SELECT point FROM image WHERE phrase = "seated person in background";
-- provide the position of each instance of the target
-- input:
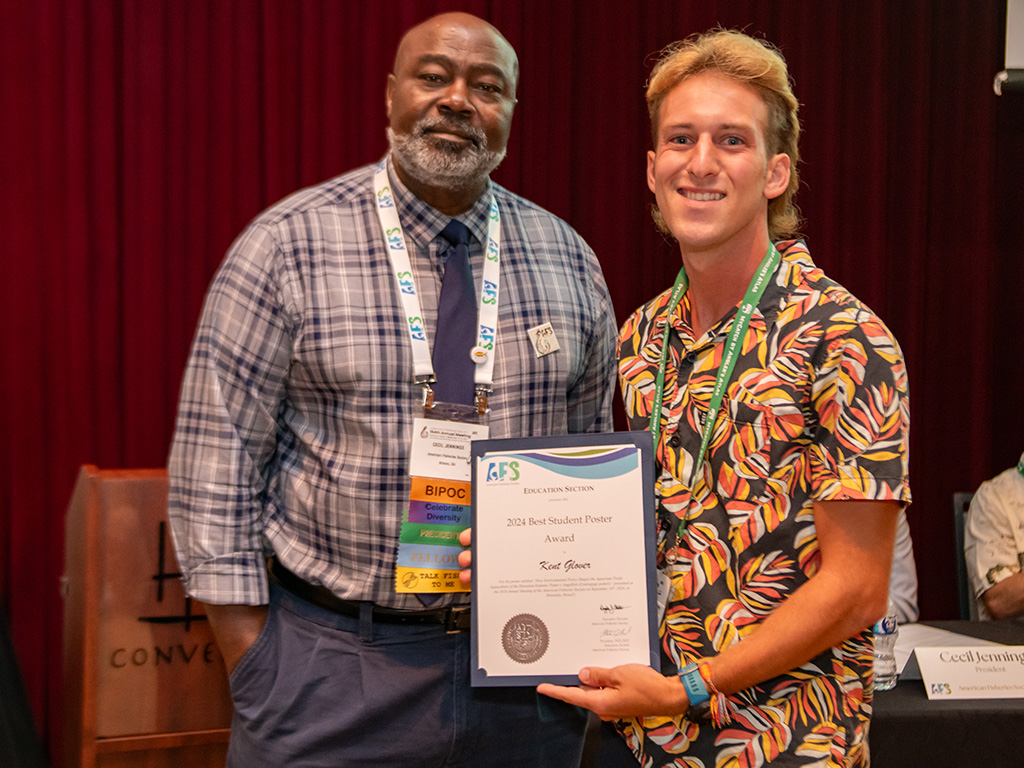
(903, 576)
(994, 544)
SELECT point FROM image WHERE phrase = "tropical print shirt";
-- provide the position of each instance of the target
(816, 410)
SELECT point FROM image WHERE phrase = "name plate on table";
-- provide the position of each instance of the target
(563, 557)
(976, 672)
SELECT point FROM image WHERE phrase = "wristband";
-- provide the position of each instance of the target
(696, 691)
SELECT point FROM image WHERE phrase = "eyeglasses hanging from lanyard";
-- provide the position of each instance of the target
(733, 348)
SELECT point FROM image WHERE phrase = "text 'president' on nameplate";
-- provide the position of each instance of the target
(563, 557)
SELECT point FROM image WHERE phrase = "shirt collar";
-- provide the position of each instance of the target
(794, 268)
(795, 260)
(422, 223)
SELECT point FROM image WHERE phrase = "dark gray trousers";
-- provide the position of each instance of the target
(318, 689)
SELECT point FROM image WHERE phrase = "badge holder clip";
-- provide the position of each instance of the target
(428, 391)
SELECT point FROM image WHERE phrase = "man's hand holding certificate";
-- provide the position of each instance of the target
(563, 550)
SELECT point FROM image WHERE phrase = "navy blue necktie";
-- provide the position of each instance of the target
(455, 333)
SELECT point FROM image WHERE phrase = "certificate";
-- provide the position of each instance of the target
(563, 557)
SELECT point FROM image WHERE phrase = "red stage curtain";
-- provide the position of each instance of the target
(137, 137)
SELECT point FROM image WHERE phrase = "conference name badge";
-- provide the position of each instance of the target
(439, 506)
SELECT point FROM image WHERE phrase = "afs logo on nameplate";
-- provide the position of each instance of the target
(972, 672)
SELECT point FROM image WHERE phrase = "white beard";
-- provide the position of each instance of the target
(439, 163)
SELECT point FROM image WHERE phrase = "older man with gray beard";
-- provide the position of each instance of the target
(290, 468)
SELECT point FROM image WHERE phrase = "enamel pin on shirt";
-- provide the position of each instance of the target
(543, 338)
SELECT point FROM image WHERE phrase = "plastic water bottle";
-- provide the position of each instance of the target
(886, 631)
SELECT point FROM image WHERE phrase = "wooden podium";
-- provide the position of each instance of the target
(144, 683)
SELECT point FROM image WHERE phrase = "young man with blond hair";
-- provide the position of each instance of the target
(780, 419)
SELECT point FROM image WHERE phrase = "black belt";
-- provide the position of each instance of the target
(454, 618)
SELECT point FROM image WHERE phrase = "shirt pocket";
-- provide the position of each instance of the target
(763, 454)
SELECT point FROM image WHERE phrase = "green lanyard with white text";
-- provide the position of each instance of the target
(733, 346)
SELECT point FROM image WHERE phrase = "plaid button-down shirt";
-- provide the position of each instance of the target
(296, 410)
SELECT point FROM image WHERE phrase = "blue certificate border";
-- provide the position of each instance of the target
(642, 442)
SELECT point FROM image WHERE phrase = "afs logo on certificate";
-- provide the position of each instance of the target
(525, 638)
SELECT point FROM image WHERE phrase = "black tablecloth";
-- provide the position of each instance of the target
(908, 730)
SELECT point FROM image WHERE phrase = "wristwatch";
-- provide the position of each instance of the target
(697, 692)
